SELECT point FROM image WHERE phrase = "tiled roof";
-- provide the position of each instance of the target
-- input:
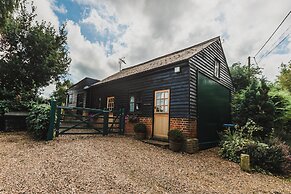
(160, 61)
(87, 81)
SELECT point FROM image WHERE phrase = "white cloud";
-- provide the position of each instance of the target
(88, 59)
(60, 9)
(44, 11)
(155, 28)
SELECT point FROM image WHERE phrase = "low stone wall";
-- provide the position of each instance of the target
(15, 121)
(2, 122)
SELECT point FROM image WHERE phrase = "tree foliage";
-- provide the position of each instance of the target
(6, 9)
(60, 94)
(243, 76)
(254, 103)
(268, 104)
(284, 78)
(33, 54)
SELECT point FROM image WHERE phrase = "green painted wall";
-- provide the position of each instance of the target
(213, 110)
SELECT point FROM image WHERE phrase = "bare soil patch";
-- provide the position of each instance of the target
(116, 164)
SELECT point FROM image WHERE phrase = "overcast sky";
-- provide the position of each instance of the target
(100, 32)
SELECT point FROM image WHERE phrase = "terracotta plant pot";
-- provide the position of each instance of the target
(140, 136)
(175, 146)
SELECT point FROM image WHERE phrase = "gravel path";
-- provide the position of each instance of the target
(114, 164)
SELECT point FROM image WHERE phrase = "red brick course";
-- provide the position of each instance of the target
(146, 120)
(188, 126)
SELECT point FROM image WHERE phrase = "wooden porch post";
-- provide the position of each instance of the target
(50, 132)
(105, 123)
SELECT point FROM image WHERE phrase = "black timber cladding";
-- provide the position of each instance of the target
(144, 85)
(203, 62)
(158, 74)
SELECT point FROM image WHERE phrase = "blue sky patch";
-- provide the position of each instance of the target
(282, 48)
(76, 13)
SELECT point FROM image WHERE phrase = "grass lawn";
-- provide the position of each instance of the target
(116, 164)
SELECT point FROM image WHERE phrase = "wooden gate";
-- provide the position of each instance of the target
(67, 120)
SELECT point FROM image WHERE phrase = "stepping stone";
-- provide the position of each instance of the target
(161, 144)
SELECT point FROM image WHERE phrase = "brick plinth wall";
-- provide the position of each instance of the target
(129, 127)
(188, 126)
(148, 122)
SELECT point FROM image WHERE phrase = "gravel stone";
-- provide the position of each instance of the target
(118, 164)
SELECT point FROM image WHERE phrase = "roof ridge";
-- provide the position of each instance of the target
(163, 60)
(160, 57)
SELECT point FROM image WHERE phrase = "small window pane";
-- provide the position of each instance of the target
(131, 104)
(163, 95)
(166, 109)
(158, 102)
(158, 95)
(166, 94)
(158, 109)
(166, 101)
(110, 103)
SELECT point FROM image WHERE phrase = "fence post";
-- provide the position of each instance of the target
(121, 122)
(50, 132)
(105, 123)
(58, 121)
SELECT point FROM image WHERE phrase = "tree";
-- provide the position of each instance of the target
(282, 103)
(243, 76)
(284, 78)
(254, 103)
(6, 9)
(60, 94)
(32, 54)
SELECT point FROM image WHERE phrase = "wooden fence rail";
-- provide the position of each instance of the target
(76, 120)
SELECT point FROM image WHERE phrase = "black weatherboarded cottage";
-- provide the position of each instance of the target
(189, 89)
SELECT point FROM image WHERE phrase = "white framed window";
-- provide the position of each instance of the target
(162, 99)
(216, 68)
(110, 103)
(70, 99)
(131, 103)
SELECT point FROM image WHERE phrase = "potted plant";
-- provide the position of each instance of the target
(176, 138)
(140, 130)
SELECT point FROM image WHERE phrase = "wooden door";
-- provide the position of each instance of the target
(161, 114)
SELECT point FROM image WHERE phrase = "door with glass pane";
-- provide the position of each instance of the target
(161, 113)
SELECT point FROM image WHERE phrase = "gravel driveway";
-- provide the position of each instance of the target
(115, 164)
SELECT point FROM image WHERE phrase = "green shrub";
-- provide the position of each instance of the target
(4, 106)
(254, 103)
(176, 135)
(264, 156)
(231, 145)
(38, 121)
(272, 156)
(286, 150)
(140, 128)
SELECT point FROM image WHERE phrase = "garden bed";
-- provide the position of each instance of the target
(115, 164)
